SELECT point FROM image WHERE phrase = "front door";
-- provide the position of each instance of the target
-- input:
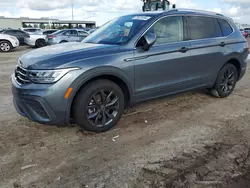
(72, 36)
(82, 35)
(165, 68)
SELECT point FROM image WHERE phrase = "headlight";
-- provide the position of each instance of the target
(48, 76)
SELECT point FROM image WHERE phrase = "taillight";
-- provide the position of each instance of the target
(51, 36)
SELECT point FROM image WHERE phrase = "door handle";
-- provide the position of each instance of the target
(183, 49)
(222, 44)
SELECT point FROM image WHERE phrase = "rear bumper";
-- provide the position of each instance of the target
(29, 42)
(243, 69)
(51, 42)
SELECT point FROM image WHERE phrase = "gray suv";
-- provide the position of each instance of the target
(130, 59)
(67, 35)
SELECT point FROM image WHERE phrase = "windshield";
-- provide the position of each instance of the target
(118, 31)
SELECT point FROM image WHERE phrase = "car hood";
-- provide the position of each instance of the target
(4, 36)
(60, 55)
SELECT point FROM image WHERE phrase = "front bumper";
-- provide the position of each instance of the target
(15, 43)
(42, 103)
(29, 42)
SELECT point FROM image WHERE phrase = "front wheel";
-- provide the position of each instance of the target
(5, 46)
(226, 81)
(98, 106)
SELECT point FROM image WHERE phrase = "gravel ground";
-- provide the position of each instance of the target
(187, 140)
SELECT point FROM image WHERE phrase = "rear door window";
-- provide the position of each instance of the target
(225, 27)
(202, 28)
(71, 33)
(82, 34)
(9, 32)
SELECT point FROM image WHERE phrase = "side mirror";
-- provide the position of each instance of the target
(149, 40)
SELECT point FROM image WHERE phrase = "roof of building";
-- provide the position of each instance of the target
(45, 19)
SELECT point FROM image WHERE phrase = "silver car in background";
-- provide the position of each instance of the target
(38, 39)
(68, 35)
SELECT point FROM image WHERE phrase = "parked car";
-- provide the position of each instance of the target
(68, 35)
(8, 42)
(92, 30)
(31, 30)
(130, 59)
(38, 39)
(244, 33)
(20, 35)
(247, 30)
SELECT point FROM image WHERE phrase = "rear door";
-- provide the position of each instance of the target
(207, 48)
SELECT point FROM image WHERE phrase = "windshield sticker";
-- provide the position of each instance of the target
(141, 18)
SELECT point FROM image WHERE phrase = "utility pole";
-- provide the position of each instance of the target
(72, 11)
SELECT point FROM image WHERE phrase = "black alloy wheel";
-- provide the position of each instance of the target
(98, 106)
(40, 43)
(102, 108)
(226, 81)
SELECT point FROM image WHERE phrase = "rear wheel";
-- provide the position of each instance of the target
(5, 46)
(226, 81)
(40, 43)
(63, 41)
(98, 106)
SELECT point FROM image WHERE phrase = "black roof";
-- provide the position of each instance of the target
(180, 11)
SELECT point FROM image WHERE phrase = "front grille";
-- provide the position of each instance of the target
(21, 75)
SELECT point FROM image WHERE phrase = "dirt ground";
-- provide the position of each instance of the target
(187, 140)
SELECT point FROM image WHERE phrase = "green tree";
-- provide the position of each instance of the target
(35, 26)
(24, 25)
(53, 26)
(42, 26)
(29, 25)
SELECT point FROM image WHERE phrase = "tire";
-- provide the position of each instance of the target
(225, 82)
(63, 41)
(98, 106)
(5, 46)
(40, 43)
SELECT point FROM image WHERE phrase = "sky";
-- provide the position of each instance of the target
(102, 11)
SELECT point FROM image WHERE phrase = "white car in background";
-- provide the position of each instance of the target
(8, 42)
(38, 39)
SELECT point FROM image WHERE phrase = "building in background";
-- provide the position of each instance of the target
(43, 23)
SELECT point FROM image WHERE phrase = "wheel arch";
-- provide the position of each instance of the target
(6, 40)
(236, 63)
(121, 81)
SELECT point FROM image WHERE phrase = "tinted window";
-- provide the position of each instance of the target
(202, 28)
(82, 33)
(31, 30)
(49, 32)
(226, 28)
(70, 33)
(20, 32)
(168, 30)
(9, 32)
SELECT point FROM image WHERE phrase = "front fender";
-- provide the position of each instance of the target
(94, 73)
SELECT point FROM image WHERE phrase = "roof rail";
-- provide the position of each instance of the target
(197, 11)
